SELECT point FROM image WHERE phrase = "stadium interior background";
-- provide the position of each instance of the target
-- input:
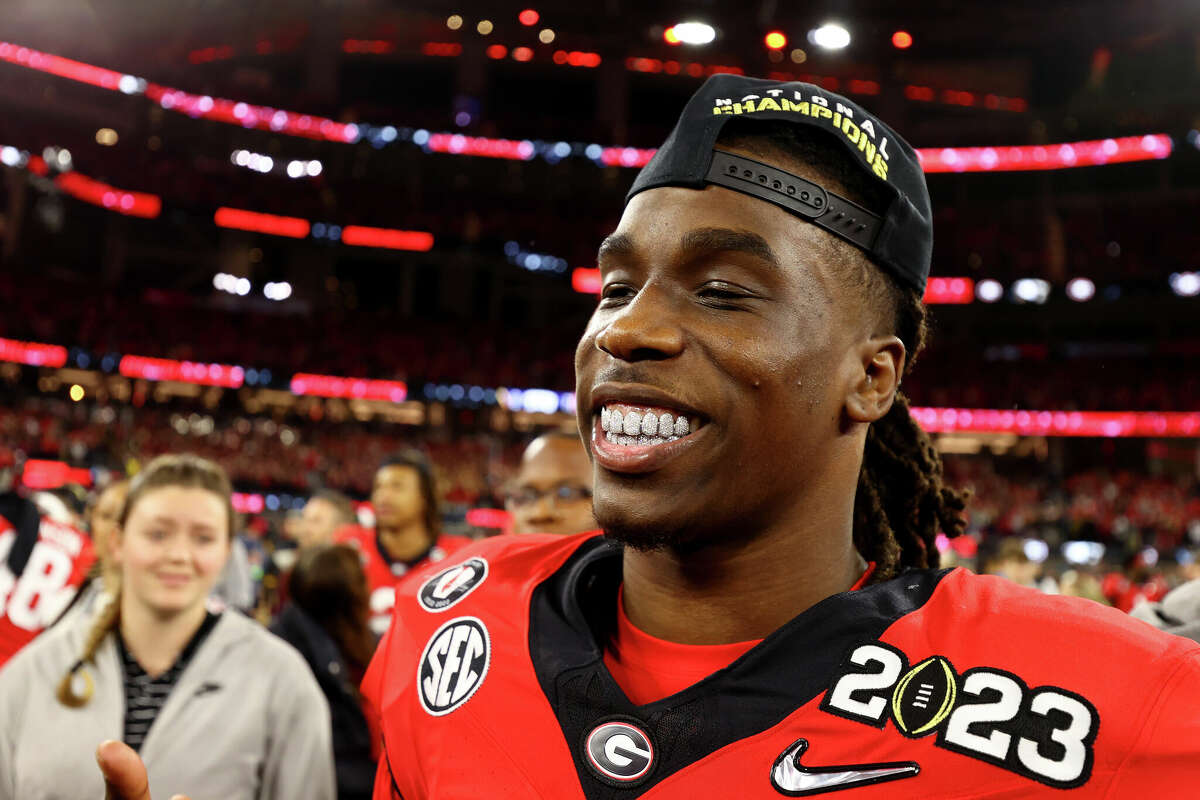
(296, 236)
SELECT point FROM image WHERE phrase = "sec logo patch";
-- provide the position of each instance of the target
(619, 753)
(452, 584)
(453, 665)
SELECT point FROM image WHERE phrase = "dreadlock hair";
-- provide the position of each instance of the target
(184, 470)
(902, 501)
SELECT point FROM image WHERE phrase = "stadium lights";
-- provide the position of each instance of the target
(528, 17)
(902, 40)
(232, 284)
(830, 36)
(1081, 289)
(989, 291)
(1031, 290)
(454, 22)
(277, 291)
(1185, 284)
(106, 137)
(695, 33)
(775, 40)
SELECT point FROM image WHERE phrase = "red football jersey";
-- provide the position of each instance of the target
(383, 574)
(57, 566)
(937, 684)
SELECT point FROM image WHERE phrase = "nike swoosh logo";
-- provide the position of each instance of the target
(791, 778)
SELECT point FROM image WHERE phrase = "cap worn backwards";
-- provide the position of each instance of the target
(898, 238)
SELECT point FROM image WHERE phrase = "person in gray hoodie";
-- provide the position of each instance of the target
(213, 703)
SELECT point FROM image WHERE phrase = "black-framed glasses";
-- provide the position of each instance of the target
(563, 493)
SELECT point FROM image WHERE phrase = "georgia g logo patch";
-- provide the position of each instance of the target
(453, 665)
(619, 753)
(452, 584)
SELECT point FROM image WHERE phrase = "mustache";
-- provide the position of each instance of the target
(630, 373)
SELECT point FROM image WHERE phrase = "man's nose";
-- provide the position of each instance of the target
(646, 329)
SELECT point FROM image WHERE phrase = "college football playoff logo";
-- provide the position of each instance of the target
(452, 584)
(453, 665)
(619, 752)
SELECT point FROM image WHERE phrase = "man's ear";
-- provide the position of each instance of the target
(882, 363)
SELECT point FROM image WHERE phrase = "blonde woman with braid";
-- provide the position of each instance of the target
(214, 704)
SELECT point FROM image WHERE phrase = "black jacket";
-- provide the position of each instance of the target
(351, 736)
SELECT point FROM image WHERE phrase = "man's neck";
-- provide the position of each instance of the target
(405, 543)
(156, 640)
(742, 590)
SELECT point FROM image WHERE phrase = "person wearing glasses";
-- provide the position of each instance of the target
(552, 492)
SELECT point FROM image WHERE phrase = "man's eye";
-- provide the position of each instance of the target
(616, 292)
(721, 295)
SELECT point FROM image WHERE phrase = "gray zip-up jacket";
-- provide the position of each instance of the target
(246, 721)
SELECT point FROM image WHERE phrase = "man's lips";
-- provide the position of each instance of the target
(639, 458)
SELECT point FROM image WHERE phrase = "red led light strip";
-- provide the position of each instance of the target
(389, 238)
(1059, 423)
(89, 190)
(350, 388)
(43, 474)
(243, 220)
(32, 353)
(62, 67)
(297, 228)
(1050, 156)
(1064, 155)
(167, 369)
(265, 118)
(457, 144)
(974, 159)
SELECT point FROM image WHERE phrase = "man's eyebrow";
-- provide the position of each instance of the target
(617, 244)
(726, 239)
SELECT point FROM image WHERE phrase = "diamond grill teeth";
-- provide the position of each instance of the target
(643, 428)
(666, 425)
(633, 423)
(649, 425)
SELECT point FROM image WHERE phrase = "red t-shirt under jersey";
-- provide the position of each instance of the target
(648, 668)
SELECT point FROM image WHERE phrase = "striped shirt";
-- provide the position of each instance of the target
(144, 695)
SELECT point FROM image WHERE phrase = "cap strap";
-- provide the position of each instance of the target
(800, 196)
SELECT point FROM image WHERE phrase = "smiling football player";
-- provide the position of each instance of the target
(763, 616)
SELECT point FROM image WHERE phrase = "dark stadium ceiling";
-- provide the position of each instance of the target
(150, 30)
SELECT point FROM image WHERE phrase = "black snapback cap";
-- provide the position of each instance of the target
(899, 238)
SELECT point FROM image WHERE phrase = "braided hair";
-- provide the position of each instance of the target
(902, 501)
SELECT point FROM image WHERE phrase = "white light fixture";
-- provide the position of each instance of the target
(989, 291)
(695, 32)
(295, 169)
(1031, 290)
(277, 291)
(1081, 289)
(831, 36)
(313, 168)
(1185, 284)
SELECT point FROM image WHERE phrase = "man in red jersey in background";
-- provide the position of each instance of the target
(764, 616)
(407, 533)
(42, 564)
